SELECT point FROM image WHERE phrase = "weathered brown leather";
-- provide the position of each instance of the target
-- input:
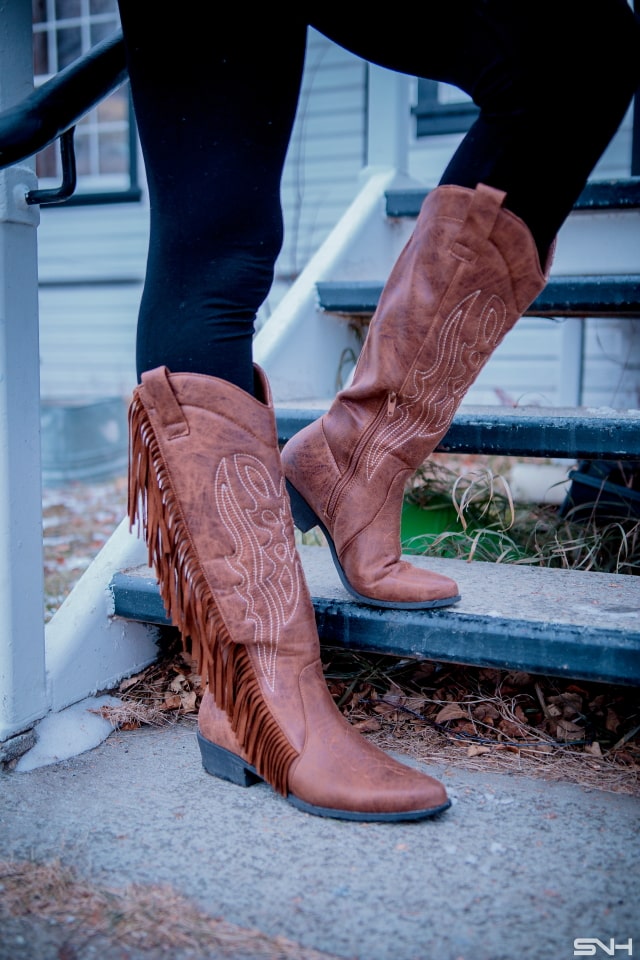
(466, 275)
(207, 487)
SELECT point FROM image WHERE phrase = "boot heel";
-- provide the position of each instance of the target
(303, 516)
(226, 765)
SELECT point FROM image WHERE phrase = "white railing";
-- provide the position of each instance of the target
(83, 649)
(22, 664)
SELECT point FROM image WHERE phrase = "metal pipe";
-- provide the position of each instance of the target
(58, 105)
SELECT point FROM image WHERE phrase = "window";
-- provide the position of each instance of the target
(105, 143)
(442, 108)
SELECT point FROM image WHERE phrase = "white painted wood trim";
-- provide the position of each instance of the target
(22, 687)
(300, 346)
(87, 649)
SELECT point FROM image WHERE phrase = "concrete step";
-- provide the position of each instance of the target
(545, 621)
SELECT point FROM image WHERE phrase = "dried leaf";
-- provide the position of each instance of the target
(574, 688)
(368, 726)
(395, 693)
(593, 749)
(452, 711)
(171, 702)
(423, 670)
(510, 729)
(385, 709)
(520, 715)
(188, 702)
(519, 678)
(613, 721)
(569, 704)
(485, 712)
(569, 731)
(468, 729)
(488, 673)
(477, 750)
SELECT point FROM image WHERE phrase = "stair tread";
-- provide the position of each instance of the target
(589, 296)
(583, 433)
(618, 194)
(546, 621)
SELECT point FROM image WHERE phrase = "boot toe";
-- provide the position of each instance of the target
(404, 585)
(342, 774)
(385, 790)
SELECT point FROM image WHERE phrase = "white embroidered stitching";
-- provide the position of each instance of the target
(254, 513)
(455, 360)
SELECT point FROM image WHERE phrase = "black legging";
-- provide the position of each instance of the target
(215, 105)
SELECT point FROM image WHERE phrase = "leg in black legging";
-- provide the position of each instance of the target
(214, 104)
(215, 109)
(552, 80)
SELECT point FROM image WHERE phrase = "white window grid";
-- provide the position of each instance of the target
(108, 124)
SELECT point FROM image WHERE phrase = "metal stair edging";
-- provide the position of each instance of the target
(618, 194)
(581, 433)
(590, 296)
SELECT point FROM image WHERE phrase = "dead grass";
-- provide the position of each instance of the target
(154, 920)
(484, 522)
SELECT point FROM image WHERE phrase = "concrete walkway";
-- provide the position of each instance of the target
(517, 868)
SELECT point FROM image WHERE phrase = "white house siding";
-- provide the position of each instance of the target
(325, 157)
(530, 365)
(92, 261)
(612, 364)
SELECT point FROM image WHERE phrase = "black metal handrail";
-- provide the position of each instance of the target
(60, 103)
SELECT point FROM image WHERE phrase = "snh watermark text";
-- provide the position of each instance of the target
(592, 947)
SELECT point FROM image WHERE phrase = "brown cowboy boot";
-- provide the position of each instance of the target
(466, 275)
(206, 486)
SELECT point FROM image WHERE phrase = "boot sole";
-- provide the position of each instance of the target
(306, 519)
(225, 765)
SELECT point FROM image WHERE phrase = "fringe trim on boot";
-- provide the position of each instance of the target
(191, 606)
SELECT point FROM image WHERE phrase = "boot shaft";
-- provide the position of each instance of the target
(464, 278)
(207, 487)
(462, 281)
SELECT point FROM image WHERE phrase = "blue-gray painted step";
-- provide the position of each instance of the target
(549, 622)
(622, 194)
(579, 433)
(590, 296)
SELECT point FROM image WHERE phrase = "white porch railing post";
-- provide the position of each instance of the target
(388, 119)
(23, 695)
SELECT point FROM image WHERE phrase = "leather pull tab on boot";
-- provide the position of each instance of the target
(484, 208)
(160, 396)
